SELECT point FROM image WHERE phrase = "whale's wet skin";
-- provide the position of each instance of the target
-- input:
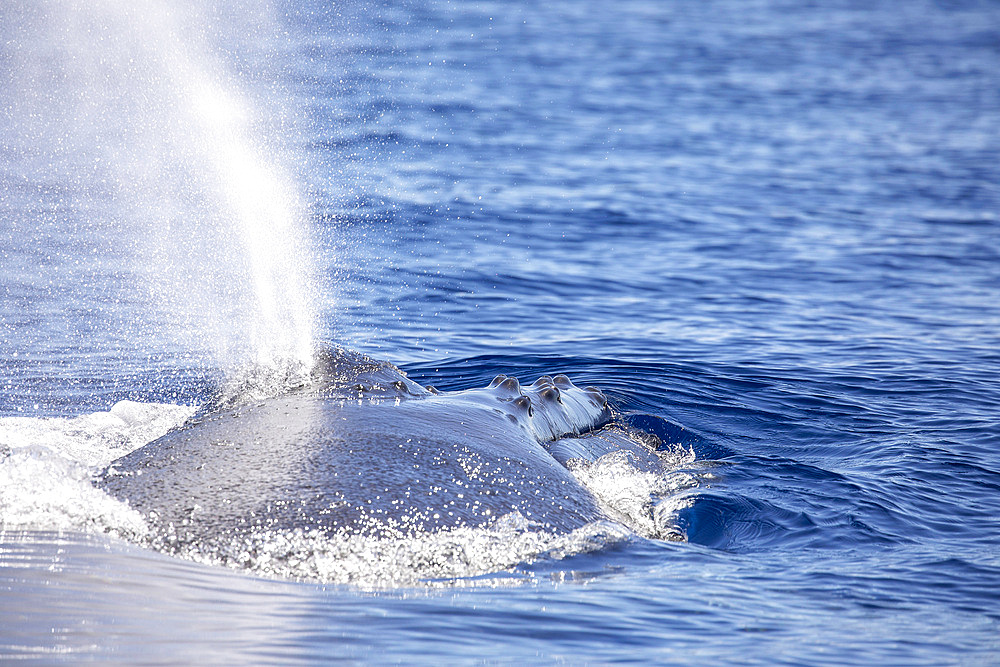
(362, 451)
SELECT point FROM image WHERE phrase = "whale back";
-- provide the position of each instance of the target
(549, 408)
(364, 450)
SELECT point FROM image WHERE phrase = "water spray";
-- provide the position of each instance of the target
(154, 108)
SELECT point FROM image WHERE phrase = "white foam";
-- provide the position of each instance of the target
(46, 465)
(95, 439)
(442, 558)
(647, 501)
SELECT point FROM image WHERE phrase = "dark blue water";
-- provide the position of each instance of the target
(769, 231)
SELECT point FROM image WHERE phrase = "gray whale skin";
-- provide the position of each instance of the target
(364, 450)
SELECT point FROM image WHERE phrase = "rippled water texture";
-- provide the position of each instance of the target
(768, 231)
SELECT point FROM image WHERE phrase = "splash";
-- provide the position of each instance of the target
(499, 554)
(644, 498)
(46, 465)
(158, 124)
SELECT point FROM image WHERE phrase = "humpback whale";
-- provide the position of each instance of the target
(361, 449)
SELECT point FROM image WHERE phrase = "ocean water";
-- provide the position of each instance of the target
(769, 231)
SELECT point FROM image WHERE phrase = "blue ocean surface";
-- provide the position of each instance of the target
(769, 231)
